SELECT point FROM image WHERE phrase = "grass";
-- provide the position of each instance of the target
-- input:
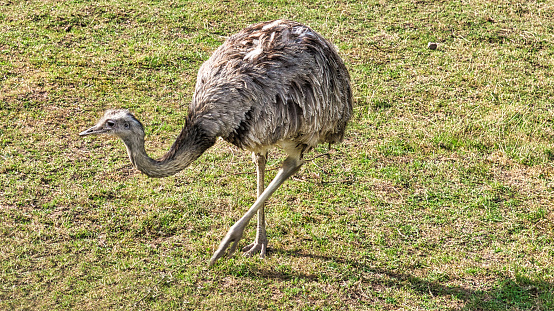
(440, 198)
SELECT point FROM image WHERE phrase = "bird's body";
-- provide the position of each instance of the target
(275, 83)
(271, 82)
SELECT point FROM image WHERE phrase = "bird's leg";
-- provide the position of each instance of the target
(260, 243)
(290, 166)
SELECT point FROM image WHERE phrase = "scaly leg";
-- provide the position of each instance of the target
(290, 166)
(260, 243)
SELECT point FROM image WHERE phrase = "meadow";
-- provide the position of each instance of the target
(440, 197)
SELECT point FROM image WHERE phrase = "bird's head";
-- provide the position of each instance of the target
(119, 122)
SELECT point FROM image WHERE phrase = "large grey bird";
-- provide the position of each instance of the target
(276, 83)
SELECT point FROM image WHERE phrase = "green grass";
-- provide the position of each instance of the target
(440, 197)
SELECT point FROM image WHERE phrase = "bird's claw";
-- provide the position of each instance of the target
(255, 247)
(231, 239)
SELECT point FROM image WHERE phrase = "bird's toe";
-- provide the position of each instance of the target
(256, 247)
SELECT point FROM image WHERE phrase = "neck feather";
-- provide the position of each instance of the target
(188, 146)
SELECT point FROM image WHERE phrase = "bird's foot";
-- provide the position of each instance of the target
(257, 246)
(230, 240)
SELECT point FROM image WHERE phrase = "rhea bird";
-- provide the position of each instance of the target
(275, 83)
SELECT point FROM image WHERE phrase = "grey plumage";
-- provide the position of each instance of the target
(275, 83)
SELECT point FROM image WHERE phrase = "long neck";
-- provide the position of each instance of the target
(190, 145)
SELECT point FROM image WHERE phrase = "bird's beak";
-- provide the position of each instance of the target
(93, 130)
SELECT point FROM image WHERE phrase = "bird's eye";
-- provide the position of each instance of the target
(110, 123)
(126, 125)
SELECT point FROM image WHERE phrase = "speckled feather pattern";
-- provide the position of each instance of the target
(272, 82)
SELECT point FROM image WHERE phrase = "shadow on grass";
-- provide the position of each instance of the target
(506, 294)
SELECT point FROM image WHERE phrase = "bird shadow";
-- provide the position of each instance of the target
(521, 293)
